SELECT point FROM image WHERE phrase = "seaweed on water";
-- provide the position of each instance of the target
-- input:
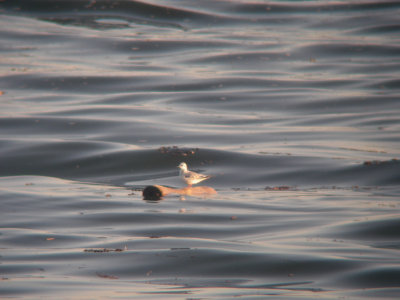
(175, 150)
(378, 162)
(101, 275)
(280, 188)
(103, 250)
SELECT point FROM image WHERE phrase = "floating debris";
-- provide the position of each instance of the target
(175, 150)
(103, 250)
(378, 162)
(372, 162)
(106, 276)
(279, 188)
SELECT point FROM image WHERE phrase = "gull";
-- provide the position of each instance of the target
(190, 177)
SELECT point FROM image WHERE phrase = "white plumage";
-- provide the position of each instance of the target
(190, 177)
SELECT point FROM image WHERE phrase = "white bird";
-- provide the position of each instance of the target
(190, 177)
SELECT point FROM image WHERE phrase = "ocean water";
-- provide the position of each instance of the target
(292, 107)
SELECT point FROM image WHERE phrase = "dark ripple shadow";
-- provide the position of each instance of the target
(314, 7)
(379, 29)
(72, 84)
(371, 230)
(91, 161)
(80, 12)
(204, 262)
(374, 277)
(348, 50)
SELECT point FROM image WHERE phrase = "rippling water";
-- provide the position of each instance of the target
(293, 107)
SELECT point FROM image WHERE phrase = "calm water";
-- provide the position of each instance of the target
(292, 106)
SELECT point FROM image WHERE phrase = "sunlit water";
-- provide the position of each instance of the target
(292, 107)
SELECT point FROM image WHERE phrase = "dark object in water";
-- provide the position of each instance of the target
(152, 193)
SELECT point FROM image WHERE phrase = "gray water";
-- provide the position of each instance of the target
(292, 107)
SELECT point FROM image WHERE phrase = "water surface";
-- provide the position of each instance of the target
(291, 106)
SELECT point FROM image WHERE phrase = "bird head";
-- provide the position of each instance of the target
(182, 166)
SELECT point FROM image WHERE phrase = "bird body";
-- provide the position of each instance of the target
(190, 177)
